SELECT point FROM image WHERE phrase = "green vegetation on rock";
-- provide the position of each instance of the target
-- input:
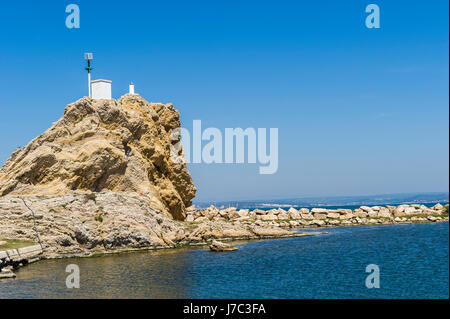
(445, 210)
(14, 244)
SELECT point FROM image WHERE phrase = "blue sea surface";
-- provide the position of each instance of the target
(413, 262)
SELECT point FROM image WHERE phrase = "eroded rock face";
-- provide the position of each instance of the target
(78, 223)
(105, 145)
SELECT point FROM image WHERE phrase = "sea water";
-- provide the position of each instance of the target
(413, 261)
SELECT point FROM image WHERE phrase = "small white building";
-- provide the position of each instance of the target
(101, 89)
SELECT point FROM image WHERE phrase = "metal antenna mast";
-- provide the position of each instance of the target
(89, 57)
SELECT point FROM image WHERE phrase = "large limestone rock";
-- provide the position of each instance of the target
(293, 213)
(333, 215)
(105, 145)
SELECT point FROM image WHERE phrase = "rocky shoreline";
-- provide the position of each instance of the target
(82, 224)
(79, 225)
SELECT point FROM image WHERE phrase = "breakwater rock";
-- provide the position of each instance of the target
(321, 217)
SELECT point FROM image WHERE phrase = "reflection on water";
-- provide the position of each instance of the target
(413, 262)
(154, 274)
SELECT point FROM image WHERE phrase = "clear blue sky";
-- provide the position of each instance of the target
(359, 111)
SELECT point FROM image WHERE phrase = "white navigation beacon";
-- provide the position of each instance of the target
(101, 89)
(132, 89)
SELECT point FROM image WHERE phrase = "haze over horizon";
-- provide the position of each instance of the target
(421, 196)
(359, 111)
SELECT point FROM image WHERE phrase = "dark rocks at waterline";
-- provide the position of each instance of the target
(14, 258)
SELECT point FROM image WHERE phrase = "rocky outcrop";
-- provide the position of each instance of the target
(105, 145)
